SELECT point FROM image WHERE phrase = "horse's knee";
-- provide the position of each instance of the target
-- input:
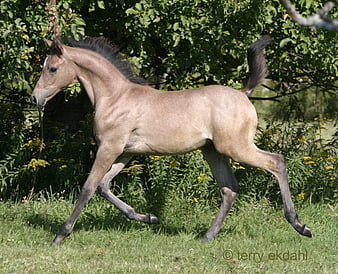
(233, 186)
(87, 191)
(228, 194)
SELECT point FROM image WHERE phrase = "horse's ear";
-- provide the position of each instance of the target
(54, 46)
(48, 42)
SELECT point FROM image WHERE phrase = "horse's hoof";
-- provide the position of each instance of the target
(206, 239)
(57, 240)
(153, 219)
(306, 231)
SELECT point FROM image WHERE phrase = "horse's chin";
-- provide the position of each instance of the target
(46, 99)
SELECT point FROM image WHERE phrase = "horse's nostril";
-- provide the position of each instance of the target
(34, 100)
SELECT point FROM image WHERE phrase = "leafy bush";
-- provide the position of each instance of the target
(311, 162)
(154, 182)
(175, 44)
(23, 24)
(13, 151)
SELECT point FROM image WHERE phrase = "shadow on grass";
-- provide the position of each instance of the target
(118, 221)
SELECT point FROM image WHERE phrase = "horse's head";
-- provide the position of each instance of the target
(58, 72)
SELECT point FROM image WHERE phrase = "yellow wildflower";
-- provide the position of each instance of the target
(266, 200)
(35, 143)
(301, 195)
(203, 177)
(35, 163)
(309, 162)
(328, 167)
(332, 159)
(305, 158)
(174, 163)
(236, 166)
(302, 139)
(195, 200)
(154, 157)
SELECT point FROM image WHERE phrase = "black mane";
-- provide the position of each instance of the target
(103, 47)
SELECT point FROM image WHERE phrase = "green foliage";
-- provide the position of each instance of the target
(23, 24)
(182, 44)
(157, 183)
(311, 162)
(13, 153)
(195, 42)
(174, 44)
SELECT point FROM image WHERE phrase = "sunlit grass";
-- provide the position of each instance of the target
(255, 238)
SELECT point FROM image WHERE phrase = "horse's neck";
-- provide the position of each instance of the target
(98, 76)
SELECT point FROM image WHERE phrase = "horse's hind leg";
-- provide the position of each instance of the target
(228, 186)
(275, 164)
(104, 189)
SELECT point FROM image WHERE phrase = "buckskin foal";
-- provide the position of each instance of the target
(133, 118)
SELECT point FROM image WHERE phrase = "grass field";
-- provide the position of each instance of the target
(255, 239)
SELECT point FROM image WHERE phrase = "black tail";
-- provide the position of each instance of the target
(257, 65)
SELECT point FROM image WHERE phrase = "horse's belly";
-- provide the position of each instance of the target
(164, 145)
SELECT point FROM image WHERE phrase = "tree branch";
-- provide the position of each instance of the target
(317, 20)
(279, 94)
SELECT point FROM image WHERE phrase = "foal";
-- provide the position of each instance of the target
(131, 119)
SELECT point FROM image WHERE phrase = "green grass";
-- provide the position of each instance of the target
(254, 239)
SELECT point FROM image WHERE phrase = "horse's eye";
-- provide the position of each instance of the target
(53, 69)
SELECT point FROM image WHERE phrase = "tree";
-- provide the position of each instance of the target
(174, 44)
(180, 44)
(317, 20)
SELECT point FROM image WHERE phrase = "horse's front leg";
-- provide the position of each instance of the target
(104, 189)
(105, 156)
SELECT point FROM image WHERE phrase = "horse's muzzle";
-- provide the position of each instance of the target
(36, 101)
